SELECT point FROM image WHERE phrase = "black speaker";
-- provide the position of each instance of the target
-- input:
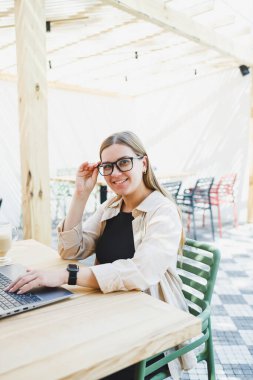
(244, 70)
(48, 26)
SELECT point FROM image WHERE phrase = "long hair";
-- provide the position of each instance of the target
(131, 140)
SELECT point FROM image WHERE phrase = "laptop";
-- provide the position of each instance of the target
(13, 303)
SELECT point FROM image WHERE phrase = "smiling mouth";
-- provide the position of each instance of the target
(119, 182)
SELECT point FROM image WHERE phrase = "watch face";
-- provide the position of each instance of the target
(73, 268)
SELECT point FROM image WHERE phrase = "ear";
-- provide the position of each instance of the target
(145, 164)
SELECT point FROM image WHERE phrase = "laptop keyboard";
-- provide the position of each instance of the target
(10, 300)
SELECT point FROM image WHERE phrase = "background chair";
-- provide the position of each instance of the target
(61, 193)
(197, 198)
(173, 188)
(198, 267)
(223, 192)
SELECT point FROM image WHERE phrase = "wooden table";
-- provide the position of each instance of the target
(88, 336)
(71, 180)
(176, 176)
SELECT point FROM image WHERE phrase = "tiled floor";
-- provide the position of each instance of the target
(232, 307)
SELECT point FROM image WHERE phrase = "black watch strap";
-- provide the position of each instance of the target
(72, 269)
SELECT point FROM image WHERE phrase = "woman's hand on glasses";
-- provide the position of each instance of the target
(86, 177)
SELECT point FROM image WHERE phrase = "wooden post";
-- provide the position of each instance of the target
(250, 199)
(32, 94)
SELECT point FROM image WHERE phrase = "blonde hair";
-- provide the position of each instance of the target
(131, 140)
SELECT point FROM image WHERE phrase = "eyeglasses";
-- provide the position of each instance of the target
(123, 164)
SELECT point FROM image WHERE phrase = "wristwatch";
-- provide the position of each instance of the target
(72, 269)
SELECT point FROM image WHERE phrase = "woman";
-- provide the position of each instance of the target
(136, 235)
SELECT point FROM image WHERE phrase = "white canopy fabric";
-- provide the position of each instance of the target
(132, 47)
(167, 70)
(200, 128)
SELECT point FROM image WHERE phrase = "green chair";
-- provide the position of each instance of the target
(173, 187)
(197, 267)
(195, 199)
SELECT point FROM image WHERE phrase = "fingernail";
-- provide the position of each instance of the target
(19, 292)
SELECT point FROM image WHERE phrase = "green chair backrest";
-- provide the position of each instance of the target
(197, 268)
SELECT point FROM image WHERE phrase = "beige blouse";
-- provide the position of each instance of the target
(157, 231)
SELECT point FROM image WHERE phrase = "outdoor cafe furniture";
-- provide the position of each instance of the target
(61, 192)
(62, 188)
(89, 335)
(173, 187)
(223, 193)
(198, 267)
(197, 198)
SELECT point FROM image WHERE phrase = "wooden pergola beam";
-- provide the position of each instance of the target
(155, 11)
(250, 196)
(32, 95)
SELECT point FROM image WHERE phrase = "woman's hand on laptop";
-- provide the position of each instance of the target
(38, 278)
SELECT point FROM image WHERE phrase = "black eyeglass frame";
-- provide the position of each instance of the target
(115, 164)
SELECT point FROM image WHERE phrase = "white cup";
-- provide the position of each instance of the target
(7, 234)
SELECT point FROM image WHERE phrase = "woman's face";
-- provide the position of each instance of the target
(124, 183)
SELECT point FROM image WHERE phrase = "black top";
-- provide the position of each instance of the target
(117, 241)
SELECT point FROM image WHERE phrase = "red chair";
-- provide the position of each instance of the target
(223, 192)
